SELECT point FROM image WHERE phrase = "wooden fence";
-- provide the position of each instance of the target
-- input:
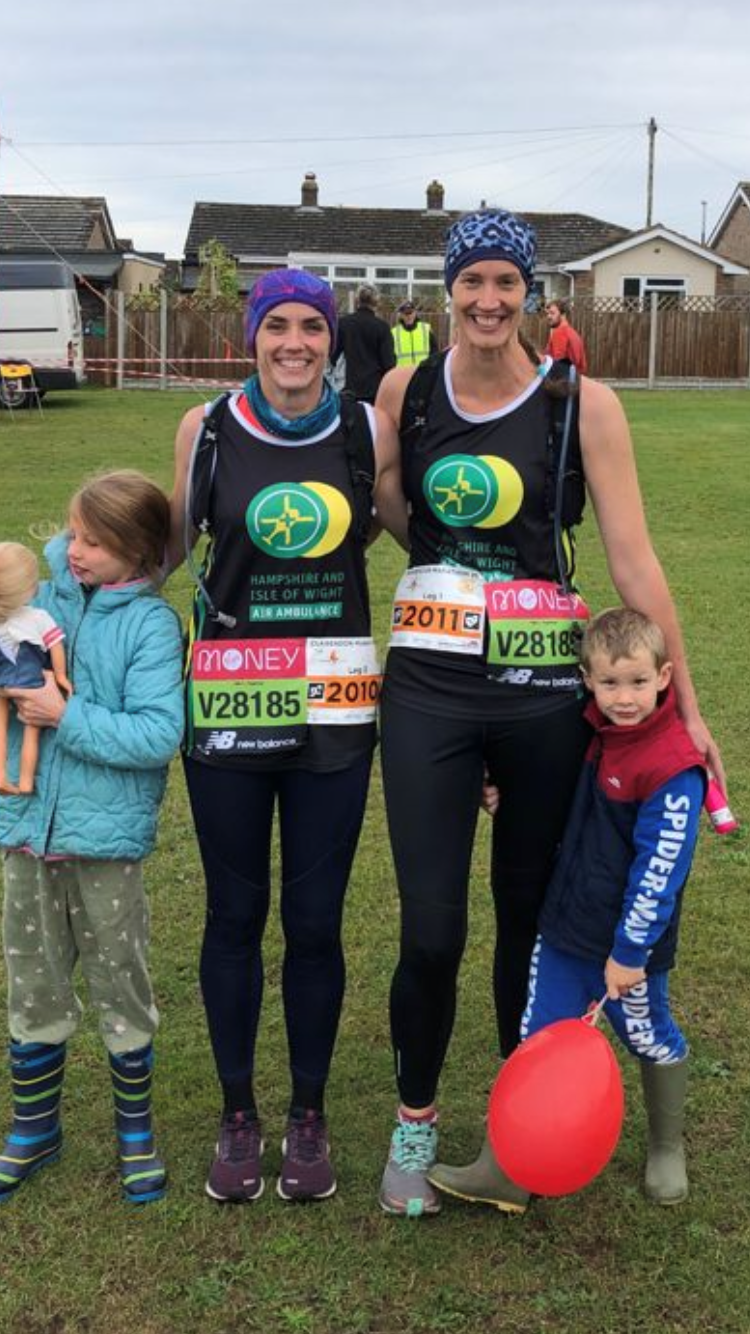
(665, 341)
(704, 342)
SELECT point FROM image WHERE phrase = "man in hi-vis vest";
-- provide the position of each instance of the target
(413, 339)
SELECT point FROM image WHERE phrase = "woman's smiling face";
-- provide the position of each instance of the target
(488, 299)
(291, 350)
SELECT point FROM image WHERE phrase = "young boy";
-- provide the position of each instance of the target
(611, 913)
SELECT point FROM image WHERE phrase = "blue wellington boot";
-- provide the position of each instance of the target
(35, 1137)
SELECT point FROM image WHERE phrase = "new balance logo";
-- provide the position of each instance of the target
(516, 676)
(221, 741)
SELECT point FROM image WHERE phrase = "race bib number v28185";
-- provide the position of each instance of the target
(248, 696)
(533, 623)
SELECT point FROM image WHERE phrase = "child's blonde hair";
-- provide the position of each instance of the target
(619, 632)
(129, 515)
(19, 577)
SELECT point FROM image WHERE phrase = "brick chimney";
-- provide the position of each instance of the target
(435, 197)
(310, 190)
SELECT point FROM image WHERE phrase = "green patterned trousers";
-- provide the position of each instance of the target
(59, 912)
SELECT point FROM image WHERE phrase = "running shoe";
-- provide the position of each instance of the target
(306, 1171)
(405, 1189)
(236, 1171)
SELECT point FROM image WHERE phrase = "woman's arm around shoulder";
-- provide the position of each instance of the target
(612, 483)
(388, 498)
(183, 449)
(392, 392)
(390, 505)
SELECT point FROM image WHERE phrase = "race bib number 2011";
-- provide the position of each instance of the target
(439, 607)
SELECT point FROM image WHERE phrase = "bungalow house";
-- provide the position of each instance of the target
(398, 250)
(656, 260)
(80, 231)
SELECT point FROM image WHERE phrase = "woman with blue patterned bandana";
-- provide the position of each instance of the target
(481, 681)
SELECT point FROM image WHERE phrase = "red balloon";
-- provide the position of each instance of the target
(556, 1109)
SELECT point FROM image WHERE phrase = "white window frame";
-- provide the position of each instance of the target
(664, 284)
(409, 264)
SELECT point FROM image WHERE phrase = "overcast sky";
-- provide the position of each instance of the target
(536, 106)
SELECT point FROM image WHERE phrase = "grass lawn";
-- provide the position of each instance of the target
(75, 1260)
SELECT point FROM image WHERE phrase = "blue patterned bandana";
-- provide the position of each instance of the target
(273, 289)
(490, 234)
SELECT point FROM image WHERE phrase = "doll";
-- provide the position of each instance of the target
(30, 642)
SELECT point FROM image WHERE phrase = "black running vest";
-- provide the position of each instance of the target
(480, 497)
(284, 560)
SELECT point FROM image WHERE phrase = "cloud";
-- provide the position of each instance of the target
(489, 89)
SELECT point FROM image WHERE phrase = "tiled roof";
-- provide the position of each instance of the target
(34, 222)
(274, 231)
(654, 232)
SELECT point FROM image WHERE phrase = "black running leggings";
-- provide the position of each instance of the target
(432, 770)
(320, 817)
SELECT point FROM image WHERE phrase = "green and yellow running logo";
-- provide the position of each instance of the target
(467, 492)
(303, 519)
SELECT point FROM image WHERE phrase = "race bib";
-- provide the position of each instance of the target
(258, 696)
(532, 623)
(343, 681)
(248, 696)
(439, 607)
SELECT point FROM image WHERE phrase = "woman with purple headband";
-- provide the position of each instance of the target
(482, 679)
(282, 688)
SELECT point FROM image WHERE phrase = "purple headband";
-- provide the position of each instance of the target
(273, 289)
(490, 234)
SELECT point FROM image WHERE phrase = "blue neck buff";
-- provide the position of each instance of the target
(295, 428)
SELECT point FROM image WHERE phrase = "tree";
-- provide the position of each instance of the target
(218, 283)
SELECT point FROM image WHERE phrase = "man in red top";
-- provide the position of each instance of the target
(564, 343)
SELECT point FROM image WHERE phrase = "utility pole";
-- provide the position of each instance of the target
(704, 202)
(652, 128)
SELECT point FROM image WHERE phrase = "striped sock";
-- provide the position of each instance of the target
(142, 1171)
(35, 1136)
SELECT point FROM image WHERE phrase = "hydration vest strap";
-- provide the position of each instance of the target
(198, 488)
(419, 391)
(360, 456)
(561, 473)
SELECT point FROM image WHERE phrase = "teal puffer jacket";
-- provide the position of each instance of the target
(102, 772)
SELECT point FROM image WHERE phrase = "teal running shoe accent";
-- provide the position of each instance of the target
(405, 1189)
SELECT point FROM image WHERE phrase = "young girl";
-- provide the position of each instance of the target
(29, 642)
(73, 849)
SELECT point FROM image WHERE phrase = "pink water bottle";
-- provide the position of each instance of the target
(718, 809)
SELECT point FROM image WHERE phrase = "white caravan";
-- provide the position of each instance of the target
(40, 324)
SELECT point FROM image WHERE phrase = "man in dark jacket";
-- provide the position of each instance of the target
(367, 346)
